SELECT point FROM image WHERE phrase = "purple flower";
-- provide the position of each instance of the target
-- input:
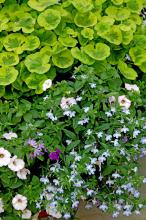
(54, 156)
(125, 139)
(40, 146)
(58, 151)
(32, 142)
(38, 152)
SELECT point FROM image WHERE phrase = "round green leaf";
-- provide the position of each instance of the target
(127, 37)
(23, 21)
(31, 43)
(100, 52)
(135, 6)
(88, 33)
(104, 25)
(49, 19)
(8, 59)
(82, 6)
(127, 72)
(58, 48)
(81, 56)
(41, 5)
(111, 11)
(140, 40)
(46, 37)
(63, 59)
(85, 19)
(122, 14)
(138, 55)
(34, 79)
(114, 35)
(7, 75)
(36, 63)
(68, 41)
(14, 42)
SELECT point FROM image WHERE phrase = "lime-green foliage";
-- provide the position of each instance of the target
(37, 36)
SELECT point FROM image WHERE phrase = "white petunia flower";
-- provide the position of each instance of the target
(10, 135)
(22, 174)
(131, 87)
(26, 214)
(16, 164)
(123, 101)
(19, 202)
(67, 102)
(1, 206)
(112, 99)
(47, 84)
(5, 157)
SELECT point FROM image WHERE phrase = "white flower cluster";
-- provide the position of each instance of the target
(10, 135)
(19, 203)
(67, 102)
(14, 164)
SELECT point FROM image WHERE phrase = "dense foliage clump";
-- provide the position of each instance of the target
(38, 38)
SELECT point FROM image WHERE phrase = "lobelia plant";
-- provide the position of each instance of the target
(41, 37)
(80, 141)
